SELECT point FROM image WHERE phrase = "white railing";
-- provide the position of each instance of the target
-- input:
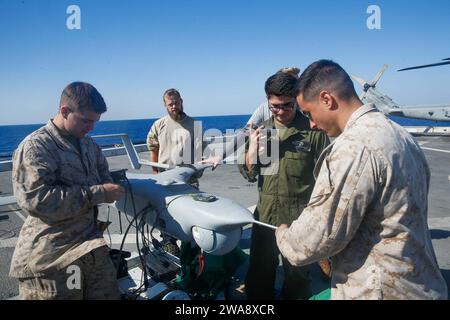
(132, 153)
(5, 165)
(428, 130)
(108, 152)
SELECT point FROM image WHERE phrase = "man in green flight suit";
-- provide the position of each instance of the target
(283, 192)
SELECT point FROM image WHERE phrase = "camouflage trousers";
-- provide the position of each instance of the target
(91, 277)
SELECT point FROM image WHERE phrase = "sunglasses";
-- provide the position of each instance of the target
(286, 106)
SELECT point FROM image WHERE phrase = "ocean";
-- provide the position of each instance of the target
(12, 135)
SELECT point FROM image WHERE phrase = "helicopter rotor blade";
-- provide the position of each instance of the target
(363, 84)
(378, 76)
(359, 80)
(446, 61)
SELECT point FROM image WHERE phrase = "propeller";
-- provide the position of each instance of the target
(378, 76)
(446, 61)
(366, 86)
(359, 80)
(363, 84)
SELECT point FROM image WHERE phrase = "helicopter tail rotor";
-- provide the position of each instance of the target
(378, 76)
(367, 85)
(363, 84)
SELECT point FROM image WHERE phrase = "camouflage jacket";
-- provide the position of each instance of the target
(58, 188)
(368, 211)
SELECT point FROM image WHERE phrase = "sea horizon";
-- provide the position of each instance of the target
(137, 129)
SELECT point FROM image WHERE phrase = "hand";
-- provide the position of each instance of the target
(113, 192)
(280, 228)
(215, 161)
(255, 146)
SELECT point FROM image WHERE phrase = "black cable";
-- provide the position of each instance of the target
(140, 224)
(8, 210)
(135, 219)
(143, 262)
(107, 228)
(153, 228)
(138, 290)
(120, 221)
(145, 243)
(148, 233)
(126, 232)
(125, 202)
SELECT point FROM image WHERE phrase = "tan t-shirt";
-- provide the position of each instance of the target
(177, 142)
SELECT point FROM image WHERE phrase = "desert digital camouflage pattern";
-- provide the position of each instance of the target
(368, 211)
(97, 280)
(58, 188)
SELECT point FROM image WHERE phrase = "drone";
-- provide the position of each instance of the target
(170, 204)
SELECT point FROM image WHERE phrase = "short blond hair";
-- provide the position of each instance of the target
(170, 93)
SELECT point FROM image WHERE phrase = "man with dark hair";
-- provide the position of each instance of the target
(284, 188)
(368, 209)
(59, 177)
(82, 96)
(262, 113)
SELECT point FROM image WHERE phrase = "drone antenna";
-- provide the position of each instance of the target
(265, 224)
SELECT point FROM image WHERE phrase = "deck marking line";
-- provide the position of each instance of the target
(20, 215)
(433, 149)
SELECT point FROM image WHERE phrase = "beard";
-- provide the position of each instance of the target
(177, 114)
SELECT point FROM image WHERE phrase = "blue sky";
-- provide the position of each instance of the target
(217, 53)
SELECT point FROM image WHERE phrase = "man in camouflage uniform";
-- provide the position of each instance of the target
(368, 210)
(284, 188)
(59, 177)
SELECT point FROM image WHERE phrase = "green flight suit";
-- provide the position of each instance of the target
(282, 197)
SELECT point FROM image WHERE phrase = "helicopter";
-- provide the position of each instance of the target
(389, 107)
